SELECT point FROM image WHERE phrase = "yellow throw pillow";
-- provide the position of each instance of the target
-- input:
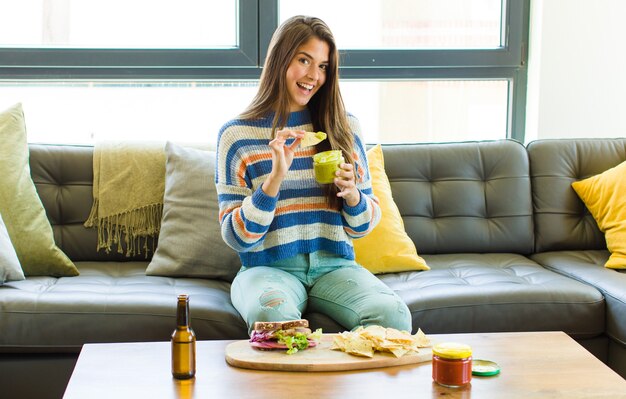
(387, 248)
(605, 197)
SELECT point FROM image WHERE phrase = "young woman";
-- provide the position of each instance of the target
(294, 235)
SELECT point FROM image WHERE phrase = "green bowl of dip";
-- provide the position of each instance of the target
(325, 164)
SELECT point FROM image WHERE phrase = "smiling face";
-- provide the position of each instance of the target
(306, 72)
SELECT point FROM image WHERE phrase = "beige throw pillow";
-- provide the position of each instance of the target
(20, 206)
(190, 241)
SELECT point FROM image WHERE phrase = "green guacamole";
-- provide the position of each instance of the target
(326, 164)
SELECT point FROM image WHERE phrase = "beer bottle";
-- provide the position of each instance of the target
(183, 342)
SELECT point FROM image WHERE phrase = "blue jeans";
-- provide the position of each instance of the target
(318, 282)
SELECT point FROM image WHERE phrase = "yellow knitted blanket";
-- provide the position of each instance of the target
(128, 186)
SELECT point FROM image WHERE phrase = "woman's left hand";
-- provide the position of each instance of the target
(346, 182)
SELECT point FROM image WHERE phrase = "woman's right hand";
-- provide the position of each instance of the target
(282, 157)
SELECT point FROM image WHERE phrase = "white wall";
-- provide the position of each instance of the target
(576, 69)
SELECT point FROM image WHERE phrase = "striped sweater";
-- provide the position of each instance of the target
(265, 229)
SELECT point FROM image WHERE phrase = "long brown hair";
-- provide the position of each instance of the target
(326, 107)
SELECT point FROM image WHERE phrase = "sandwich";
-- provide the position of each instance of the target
(292, 335)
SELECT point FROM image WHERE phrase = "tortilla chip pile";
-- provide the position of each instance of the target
(365, 341)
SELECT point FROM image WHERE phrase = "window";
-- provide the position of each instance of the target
(406, 24)
(119, 24)
(420, 110)
(412, 70)
(86, 112)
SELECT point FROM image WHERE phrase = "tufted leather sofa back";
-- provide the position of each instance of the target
(463, 197)
(453, 197)
(562, 222)
(63, 176)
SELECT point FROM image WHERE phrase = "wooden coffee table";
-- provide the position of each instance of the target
(534, 365)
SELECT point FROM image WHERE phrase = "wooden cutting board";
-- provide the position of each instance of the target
(319, 358)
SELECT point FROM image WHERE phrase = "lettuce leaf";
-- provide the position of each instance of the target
(294, 343)
(299, 341)
(316, 335)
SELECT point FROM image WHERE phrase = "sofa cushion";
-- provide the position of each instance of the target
(587, 267)
(463, 197)
(21, 208)
(604, 196)
(562, 222)
(190, 241)
(387, 248)
(111, 302)
(497, 292)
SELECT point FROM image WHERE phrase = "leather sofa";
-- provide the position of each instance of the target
(510, 246)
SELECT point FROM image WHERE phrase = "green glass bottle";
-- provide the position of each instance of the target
(183, 342)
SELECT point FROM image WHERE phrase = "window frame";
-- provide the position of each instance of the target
(103, 63)
(257, 20)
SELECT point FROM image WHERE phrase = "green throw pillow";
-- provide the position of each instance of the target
(20, 206)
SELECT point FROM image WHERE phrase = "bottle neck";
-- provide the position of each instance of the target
(182, 312)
